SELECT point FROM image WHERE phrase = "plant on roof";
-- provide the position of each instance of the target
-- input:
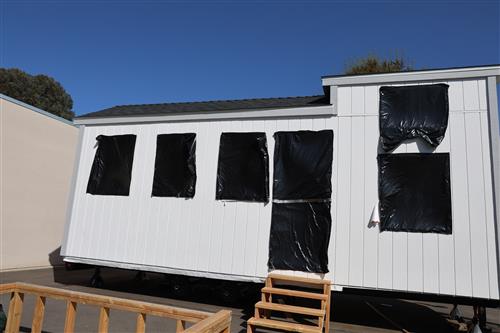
(374, 64)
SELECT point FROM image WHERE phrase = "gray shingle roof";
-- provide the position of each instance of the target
(209, 106)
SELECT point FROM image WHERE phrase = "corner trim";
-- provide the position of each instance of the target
(494, 134)
(311, 111)
(37, 110)
(71, 193)
(334, 91)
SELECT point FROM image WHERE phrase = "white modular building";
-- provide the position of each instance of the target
(230, 239)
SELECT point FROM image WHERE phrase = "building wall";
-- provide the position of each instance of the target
(202, 236)
(37, 156)
(463, 263)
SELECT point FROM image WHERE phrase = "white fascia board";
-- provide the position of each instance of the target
(430, 75)
(314, 111)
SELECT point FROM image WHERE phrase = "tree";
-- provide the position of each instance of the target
(41, 91)
(373, 64)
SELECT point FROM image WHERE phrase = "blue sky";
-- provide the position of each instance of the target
(107, 53)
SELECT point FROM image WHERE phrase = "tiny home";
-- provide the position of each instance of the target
(37, 150)
(387, 182)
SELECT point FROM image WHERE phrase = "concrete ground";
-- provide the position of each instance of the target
(350, 313)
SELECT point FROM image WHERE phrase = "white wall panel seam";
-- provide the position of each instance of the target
(453, 226)
(468, 201)
(350, 191)
(364, 191)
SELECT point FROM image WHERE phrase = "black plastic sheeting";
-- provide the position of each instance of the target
(413, 111)
(112, 167)
(300, 233)
(303, 165)
(414, 192)
(175, 166)
(243, 168)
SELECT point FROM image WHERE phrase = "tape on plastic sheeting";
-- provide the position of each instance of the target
(301, 200)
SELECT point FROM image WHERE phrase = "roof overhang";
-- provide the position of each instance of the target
(307, 111)
(420, 75)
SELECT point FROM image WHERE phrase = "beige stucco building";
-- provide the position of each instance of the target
(37, 151)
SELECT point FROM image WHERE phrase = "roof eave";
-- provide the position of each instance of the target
(312, 111)
(420, 75)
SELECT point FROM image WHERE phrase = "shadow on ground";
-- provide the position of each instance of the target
(347, 309)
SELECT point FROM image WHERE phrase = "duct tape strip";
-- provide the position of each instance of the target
(301, 200)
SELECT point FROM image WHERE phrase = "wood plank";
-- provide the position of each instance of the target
(15, 312)
(140, 323)
(38, 314)
(295, 293)
(69, 323)
(180, 326)
(103, 320)
(116, 303)
(281, 325)
(309, 281)
(328, 292)
(290, 309)
(219, 322)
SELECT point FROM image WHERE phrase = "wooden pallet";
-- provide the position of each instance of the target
(274, 286)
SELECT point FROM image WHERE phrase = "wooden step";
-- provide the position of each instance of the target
(311, 281)
(295, 293)
(282, 325)
(290, 309)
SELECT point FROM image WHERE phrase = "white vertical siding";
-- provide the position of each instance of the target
(231, 238)
(463, 263)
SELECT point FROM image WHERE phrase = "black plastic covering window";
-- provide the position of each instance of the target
(175, 166)
(414, 193)
(112, 167)
(300, 233)
(303, 165)
(243, 167)
(413, 111)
